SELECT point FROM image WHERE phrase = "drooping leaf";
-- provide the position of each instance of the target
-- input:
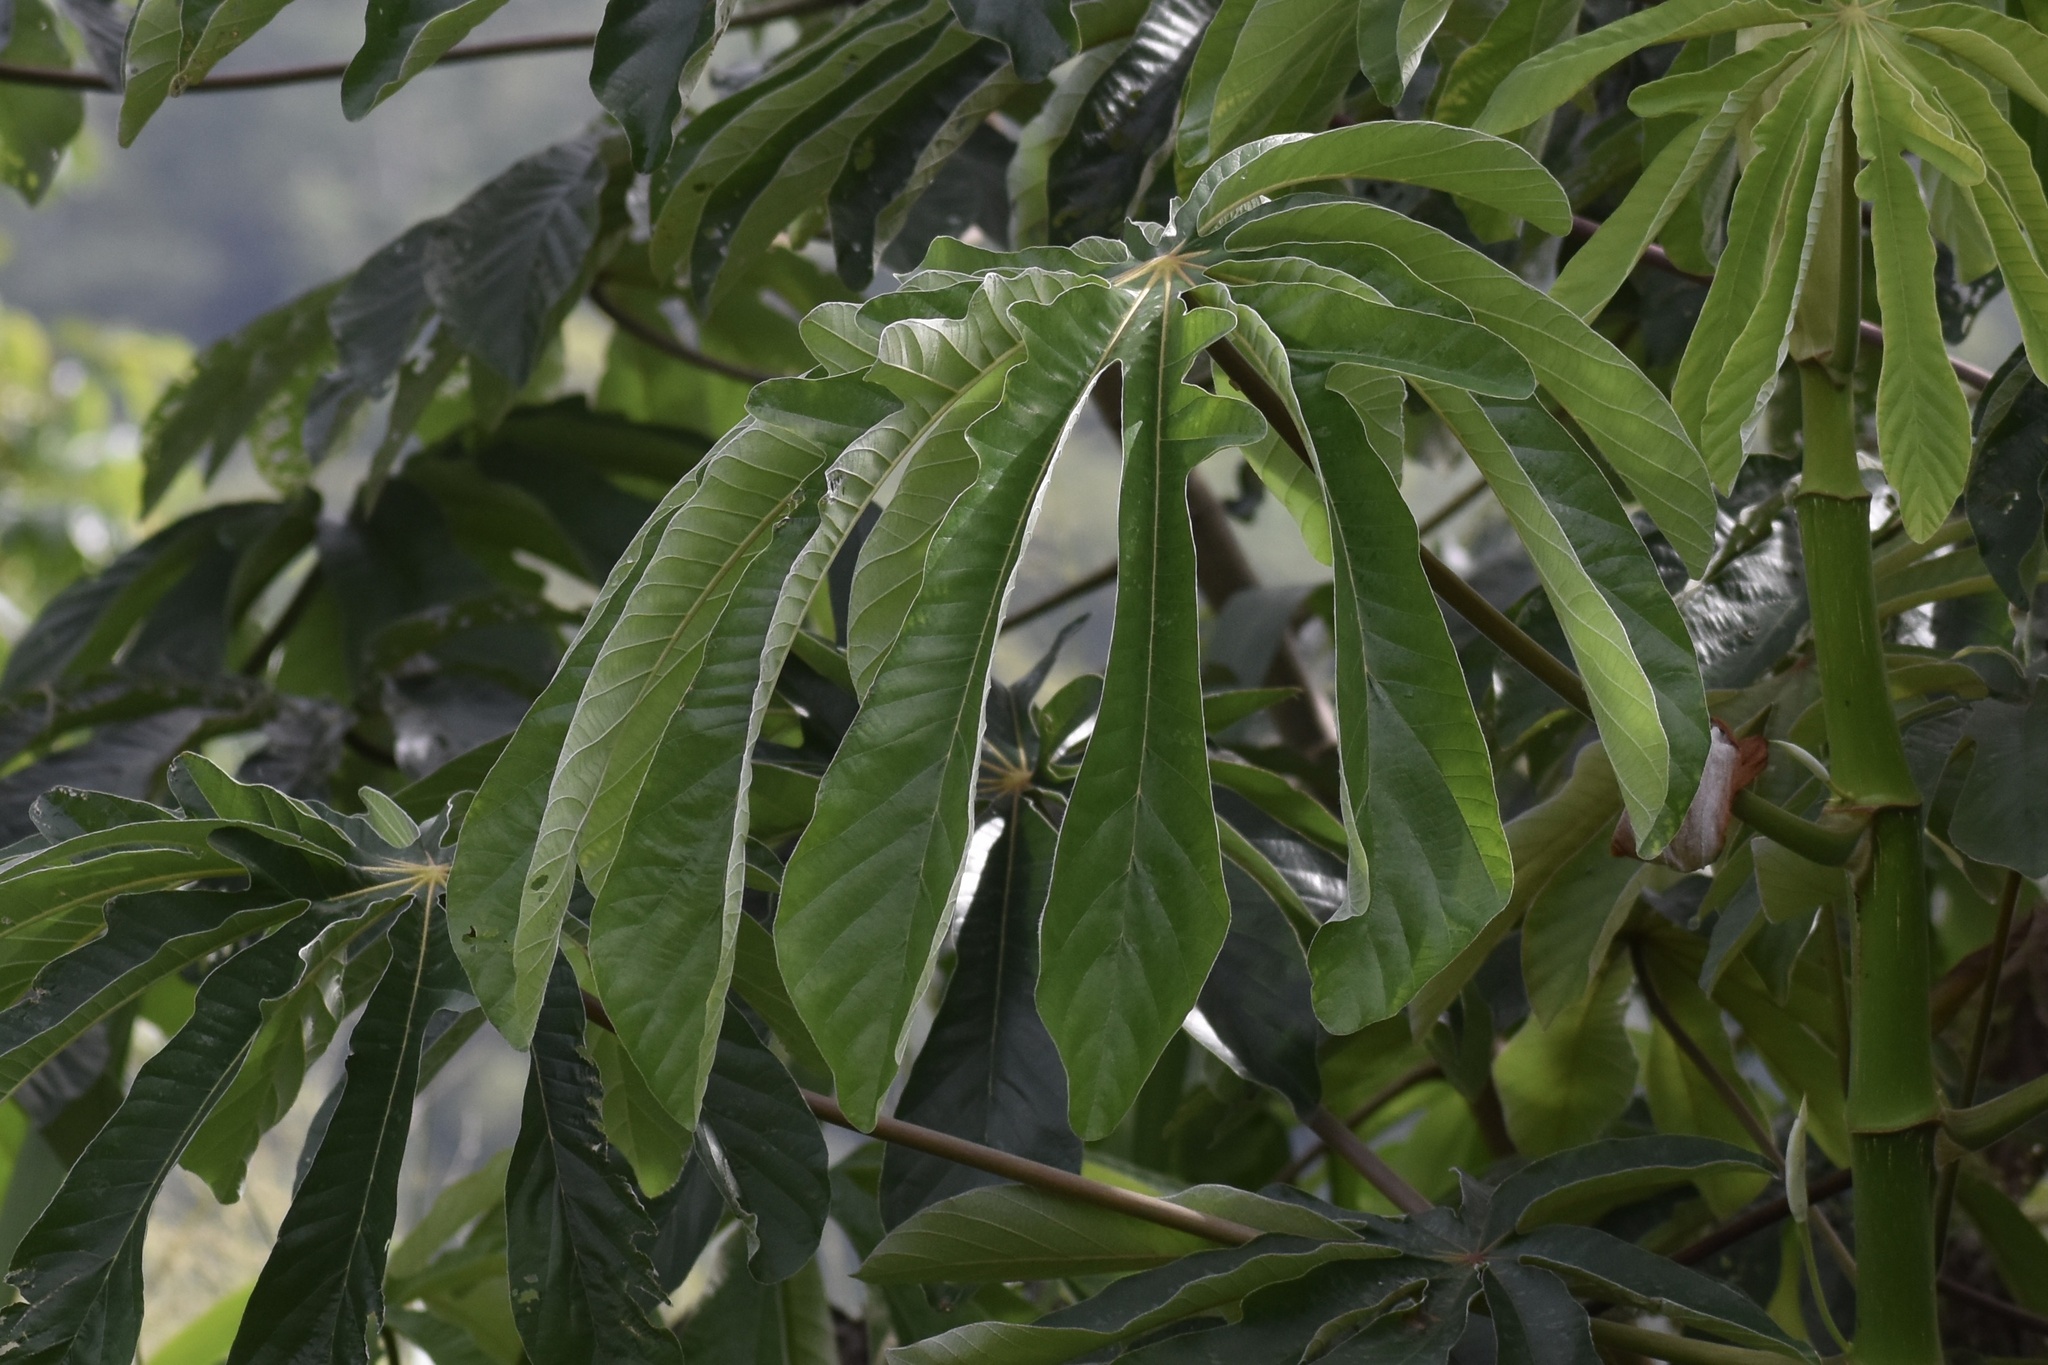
(1392, 36)
(867, 889)
(79, 1269)
(1627, 638)
(766, 1152)
(648, 53)
(1923, 422)
(1258, 1000)
(577, 1237)
(321, 1293)
(1625, 414)
(1137, 909)
(988, 1071)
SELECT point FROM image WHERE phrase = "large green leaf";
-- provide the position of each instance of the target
(865, 896)
(1288, 62)
(173, 43)
(79, 1269)
(1137, 909)
(661, 935)
(321, 1293)
(1393, 35)
(1624, 413)
(576, 1235)
(1039, 34)
(486, 883)
(988, 1071)
(1923, 424)
(1429, 863)
(649, 52)
(646, 662)
(1472, 165)
(766, 1152)
(2000, 815)
(1628, 640)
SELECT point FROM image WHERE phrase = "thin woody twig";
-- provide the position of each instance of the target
(667, 342)
(1366, 1161)
(1379, 1099)
(1697, 1055)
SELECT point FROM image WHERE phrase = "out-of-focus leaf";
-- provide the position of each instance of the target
(1563, 1082)
(2015, 1243)
(2001, 816)
(988, 1071)
(79, 1269)
(767, 1153)
(577, 1236)
(1257, 1001)
(36, 123)
(743, 1320)
(321, 1293)
(205, 1339)
(1039, 34)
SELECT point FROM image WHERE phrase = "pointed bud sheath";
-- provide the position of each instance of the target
(1732, 764)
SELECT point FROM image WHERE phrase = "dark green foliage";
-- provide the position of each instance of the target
(577, 1236)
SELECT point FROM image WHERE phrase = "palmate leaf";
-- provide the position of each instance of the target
(321, 1293)
(79, 1269)
(1910, 89)
(577, 1236)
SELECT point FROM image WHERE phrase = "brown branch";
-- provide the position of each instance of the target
(668, 344)
(1080, 587)
(1697, 1055)
(1991, 1303)
(1873, 335)
(1761, 1216)
(1365, 1161)
(1458, 503)
(1007, 1165)
(12, 74)
(1378, 1100)
(1036, 1174)
(1980, 1041)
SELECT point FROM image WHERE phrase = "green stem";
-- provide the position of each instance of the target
(1980, 1125)
(1678, 1350)
(1891, 1075)
(1814, 842)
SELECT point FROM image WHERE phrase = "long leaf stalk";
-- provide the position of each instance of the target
(1980, 1042)
(1892, 1100)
